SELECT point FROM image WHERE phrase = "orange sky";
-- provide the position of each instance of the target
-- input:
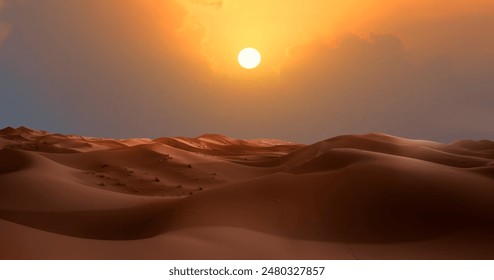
(162, 67)
(274, 27)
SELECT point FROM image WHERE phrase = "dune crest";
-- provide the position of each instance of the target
(371, 196)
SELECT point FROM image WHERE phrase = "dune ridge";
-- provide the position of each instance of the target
(372, 196)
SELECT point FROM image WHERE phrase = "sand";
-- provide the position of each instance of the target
(370, 196)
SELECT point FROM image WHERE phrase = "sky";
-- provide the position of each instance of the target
(149, 68)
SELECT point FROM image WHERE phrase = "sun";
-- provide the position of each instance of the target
(249, 58)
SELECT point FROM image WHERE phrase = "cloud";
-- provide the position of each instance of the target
(428, 28)
(371, 84)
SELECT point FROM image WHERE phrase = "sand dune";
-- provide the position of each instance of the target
(369, 196)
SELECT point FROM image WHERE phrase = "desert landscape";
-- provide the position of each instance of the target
(370, 196)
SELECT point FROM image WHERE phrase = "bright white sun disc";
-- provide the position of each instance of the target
(249, 58)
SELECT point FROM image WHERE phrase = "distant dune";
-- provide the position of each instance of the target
(370, 196)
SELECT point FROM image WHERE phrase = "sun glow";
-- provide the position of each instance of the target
(249, 58)
(218, 32)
